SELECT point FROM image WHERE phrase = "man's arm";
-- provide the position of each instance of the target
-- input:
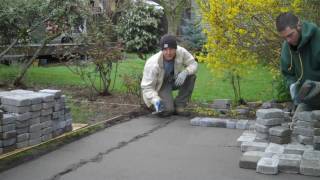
(148, 84)
(189, 62)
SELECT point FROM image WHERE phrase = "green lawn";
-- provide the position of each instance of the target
(256, 86)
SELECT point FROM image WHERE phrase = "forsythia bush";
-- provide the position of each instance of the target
(241, 32)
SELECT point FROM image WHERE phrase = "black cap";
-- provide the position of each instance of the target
(168, 41)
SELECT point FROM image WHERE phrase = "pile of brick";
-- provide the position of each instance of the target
(307, 128)
(271, 149)
(7, 133)
(316, 130)
(270, 158)
(33, 117)
(267, 119)
(280, 135)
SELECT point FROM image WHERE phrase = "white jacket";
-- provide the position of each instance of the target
(153, 73)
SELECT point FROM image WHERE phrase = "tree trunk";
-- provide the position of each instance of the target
(173, 24)
(7, 50)
(26, 65)
(233, 83)
(173, 11)
(238, 86)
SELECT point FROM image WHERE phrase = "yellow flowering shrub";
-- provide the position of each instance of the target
(239, 33)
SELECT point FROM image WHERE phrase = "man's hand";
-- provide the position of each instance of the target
(158, 106)
(181, 78)
(309, 92)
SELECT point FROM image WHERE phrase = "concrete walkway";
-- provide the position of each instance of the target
(146, 148)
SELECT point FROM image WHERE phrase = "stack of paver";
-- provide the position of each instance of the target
(273, 152)
(307, 128)
(280, 135)
(7, 133)
(271, 158)
(266, 119)
(316, 138)
(279, 155)
(60, 120)
(19, 104)
(25, 131)
(303, 129)
(37, 116)
(1, 129)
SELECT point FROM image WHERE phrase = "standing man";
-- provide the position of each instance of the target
(172, 68)
(300, 60)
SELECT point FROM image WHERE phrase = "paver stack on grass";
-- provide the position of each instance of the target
(30, 118)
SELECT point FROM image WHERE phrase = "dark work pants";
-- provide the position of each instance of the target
(184, 94)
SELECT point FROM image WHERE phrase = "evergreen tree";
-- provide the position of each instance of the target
(193, 38)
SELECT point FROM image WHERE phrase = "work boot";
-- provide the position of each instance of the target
(182, 111)
(164, 114)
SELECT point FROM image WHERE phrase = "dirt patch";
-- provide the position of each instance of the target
(91, 109)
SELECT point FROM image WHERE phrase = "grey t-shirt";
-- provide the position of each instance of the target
(168, 68)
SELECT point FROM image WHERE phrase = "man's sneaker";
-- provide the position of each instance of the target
(182, 111)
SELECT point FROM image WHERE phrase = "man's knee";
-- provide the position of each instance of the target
(189, 83)
(192, 78)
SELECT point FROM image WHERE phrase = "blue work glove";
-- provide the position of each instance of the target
(158, 106)
(181, 77)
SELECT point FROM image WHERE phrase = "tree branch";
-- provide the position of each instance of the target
(264, 25)
(7, 50)
(16, 40)
(26, 65)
